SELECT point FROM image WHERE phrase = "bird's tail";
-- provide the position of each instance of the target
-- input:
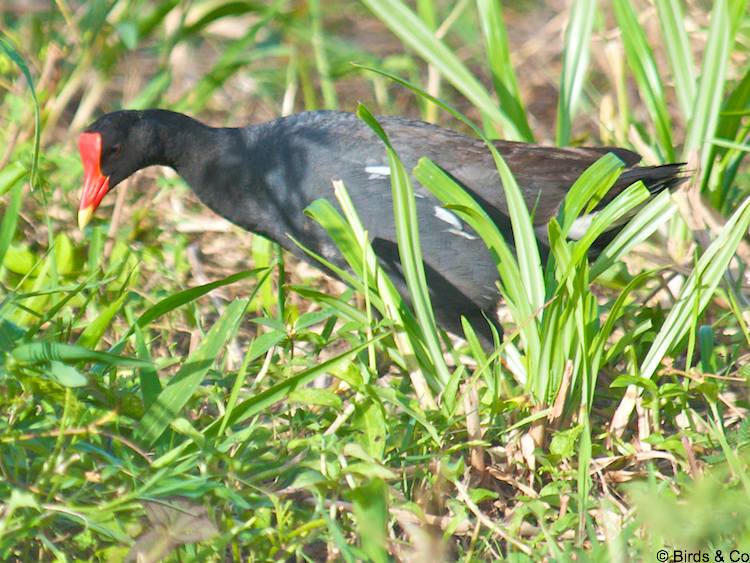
(656, 178)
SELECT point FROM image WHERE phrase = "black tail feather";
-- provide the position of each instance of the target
(656, 178)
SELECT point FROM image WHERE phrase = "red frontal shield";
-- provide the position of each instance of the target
(95, 184)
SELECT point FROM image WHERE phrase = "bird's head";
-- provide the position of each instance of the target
(112, 148)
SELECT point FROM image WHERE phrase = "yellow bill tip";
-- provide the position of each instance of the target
(84, 216)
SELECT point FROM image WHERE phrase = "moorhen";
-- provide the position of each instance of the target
(262, 177)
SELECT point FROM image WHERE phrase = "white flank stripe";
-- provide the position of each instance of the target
(378, 172)
(580, 226)
(444, 215)
(462, 234)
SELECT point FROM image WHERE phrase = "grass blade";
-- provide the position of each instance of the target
(708, 100)
(413, 32)
(409, 248)
(181, 387)
(654, 214)
(179, 299)
(280, 391)
(148, 376)
(678, 51)
(527, 250)
(588, 189)
(10, 218)
(95, 330)
(501, 67)
(36, 352)
(457, 200)
(11, 51)
(321, 58)
(575, 63)
(699, 288)
(642, 63)
(618, 208)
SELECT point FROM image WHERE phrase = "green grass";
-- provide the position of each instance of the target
(185, 391)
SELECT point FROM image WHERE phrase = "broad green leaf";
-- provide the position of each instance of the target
(64, 254)
(371, 515)
(564, 441)
(311, 396)
(626, 380)
(370, 420)
(19, 259)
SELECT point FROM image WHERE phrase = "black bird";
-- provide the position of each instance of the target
(262, 177)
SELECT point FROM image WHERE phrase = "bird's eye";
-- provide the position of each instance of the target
(114, 150)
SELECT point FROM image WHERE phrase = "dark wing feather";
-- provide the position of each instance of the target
(544, 174)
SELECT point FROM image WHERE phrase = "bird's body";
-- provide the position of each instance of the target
(262, 177)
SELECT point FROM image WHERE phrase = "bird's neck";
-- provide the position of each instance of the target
(180, 139)
(212, 160)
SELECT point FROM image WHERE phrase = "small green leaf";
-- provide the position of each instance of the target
(19, 259)
(128, 32)
(66, 375)
(370, 420)
(625, 380)
(479, 495)
(318, 397)
(370, 470)
(563, 443)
